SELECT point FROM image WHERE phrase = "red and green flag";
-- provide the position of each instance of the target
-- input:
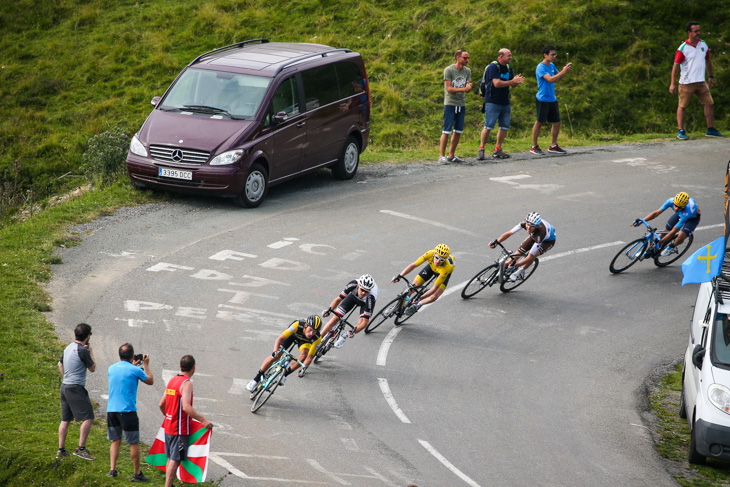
(195, 468)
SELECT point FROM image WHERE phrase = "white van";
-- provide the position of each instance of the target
(705, 401)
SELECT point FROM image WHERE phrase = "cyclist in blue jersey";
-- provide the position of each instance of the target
(541, 238)
(681, 224)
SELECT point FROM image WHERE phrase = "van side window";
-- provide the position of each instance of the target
(349, 79)
(320, 86)
(721, 346)
(286, 99)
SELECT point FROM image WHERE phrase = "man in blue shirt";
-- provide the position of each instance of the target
(546, 103)
(121, 411)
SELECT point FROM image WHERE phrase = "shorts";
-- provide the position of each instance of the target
(427, 274)
(494, 113)
(454, 118)
(688, 227)
(75, 403)
(529, 242)
(176, 447)
(547, 111)
(347, 304)
(126, 422)
(701, 89)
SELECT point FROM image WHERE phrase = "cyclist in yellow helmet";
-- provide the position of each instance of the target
(441, 264)
(680, 225)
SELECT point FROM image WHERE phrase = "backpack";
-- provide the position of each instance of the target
(485, 85)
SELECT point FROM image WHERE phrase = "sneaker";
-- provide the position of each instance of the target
(669, 251)
(442, 160)
(112, 473)
(62, 453)
(713, 132)
(411, 310)
(536, 150)
(519, 275)
(681, 134)
(282, 381)
(455, 159)
(340, 341)
(140, 477)
(500, 154)
(251, 385)
(480, 155)
(83, 454)
(556, 149)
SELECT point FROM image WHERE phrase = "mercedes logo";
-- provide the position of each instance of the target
(177, 155)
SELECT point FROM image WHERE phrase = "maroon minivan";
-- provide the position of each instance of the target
(246, 116)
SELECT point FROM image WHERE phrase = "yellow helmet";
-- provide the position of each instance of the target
(681, 199)
(443, 250)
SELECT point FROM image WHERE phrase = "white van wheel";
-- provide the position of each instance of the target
(254, 191)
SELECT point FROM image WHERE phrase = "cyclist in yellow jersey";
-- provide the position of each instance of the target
(441, 263)
(303, 333)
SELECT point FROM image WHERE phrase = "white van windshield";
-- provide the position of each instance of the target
(721, 341)
(222, 93)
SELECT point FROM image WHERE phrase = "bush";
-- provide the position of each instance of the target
(105, 157)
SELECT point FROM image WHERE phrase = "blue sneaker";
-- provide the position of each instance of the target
(681, 134)
(713, 132)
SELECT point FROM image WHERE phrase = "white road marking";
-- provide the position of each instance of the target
(719, 225)
(385, 346)
(257, 311)
(447, 463)
(215, 457)
(391, 402)
(350, 444)
(430, 222)
(238, 386)
(315, 465)
(580, 251)
(508, 179)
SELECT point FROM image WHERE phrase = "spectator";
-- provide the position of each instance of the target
(693, 58)
(177, 406)
(75, 402)
(546, 103)
(457, 82)
(121, 410)
(498, 78)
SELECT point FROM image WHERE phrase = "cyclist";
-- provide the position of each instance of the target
(541, 238)
(681, 224)
(361, 291)
(441, 263)
(306, 335)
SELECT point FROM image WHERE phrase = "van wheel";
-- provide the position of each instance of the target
(682, 404)
(254, 191)
(694, 456)
(346, 165)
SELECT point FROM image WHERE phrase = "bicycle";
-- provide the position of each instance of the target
(498, 272)
(272, 378)
(646, 248)
(398, 306)
(332, 336)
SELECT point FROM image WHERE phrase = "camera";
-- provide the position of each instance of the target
(139, 357)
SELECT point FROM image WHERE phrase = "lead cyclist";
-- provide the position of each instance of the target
(541, 238)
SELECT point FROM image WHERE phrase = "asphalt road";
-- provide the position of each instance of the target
(542, 386)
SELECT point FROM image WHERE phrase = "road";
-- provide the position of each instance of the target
(542, 386)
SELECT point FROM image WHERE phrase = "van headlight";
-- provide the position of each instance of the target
(227, 158)
(720, 396)
(136, 147)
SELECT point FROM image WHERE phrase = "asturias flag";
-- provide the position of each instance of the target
(195, 468)
(704, 264)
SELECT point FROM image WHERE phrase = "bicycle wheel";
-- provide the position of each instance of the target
(387, 312)
(485, 277)
(268, 390)
(628, 256)
(324, 347)
(664, 260)
(508, 285)
(401, 316)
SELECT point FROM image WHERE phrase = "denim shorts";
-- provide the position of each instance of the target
(494, 113)
(454, 118)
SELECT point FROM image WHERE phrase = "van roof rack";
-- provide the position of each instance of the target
(238, 45)
(308, 56)
(722, 281)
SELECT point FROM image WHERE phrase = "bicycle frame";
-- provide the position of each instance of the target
(651, 236)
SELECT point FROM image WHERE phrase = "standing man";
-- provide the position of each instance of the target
(457, 82)
(693, 58)
(546, 102)
(75, 402)
(177, 406)
(498, 77)
(121, 410)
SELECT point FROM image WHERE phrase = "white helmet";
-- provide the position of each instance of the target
(533, 218)
(366, 282)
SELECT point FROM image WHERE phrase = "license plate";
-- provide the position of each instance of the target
(174, 173)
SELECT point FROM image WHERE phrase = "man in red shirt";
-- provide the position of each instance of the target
(177, 406)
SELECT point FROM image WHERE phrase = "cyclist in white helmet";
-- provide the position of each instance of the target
(541, 238)
(361, 291)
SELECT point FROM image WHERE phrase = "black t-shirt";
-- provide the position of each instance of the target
(498, 96)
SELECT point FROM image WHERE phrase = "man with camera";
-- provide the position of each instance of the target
(121, 411)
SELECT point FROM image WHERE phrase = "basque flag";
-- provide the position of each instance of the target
(704, 264)
(195, 468)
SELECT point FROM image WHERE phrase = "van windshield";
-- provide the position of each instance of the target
(234, 95)
(721, 341)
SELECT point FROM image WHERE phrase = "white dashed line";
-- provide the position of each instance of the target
(391, 402)
(447, 463)
(430, 222)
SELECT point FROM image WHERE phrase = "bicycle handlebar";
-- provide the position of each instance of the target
(648, 228)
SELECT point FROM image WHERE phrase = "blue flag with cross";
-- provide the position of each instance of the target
(704, 264)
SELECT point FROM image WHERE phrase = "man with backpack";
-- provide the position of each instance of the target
(497, 79)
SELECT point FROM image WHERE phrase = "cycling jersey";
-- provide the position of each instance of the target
(691, 210)
(540, 240)
(295, 334)
(350, 299)
(443, 271)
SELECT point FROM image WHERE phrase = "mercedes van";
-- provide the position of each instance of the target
(247, 116)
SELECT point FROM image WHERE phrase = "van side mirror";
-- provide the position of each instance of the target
(279, 117)
(697, 355)
(155, 101)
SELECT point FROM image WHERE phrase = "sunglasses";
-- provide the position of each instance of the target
(438, 258)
